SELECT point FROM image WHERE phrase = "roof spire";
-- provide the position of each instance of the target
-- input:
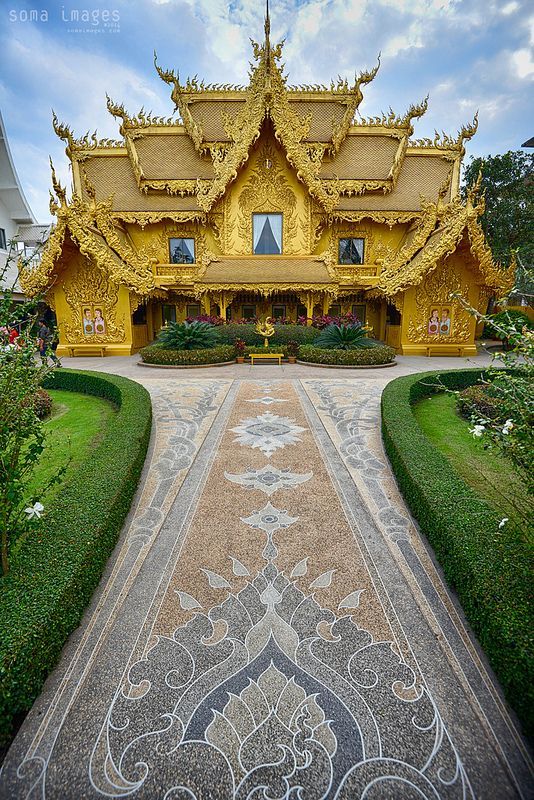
(267, 32)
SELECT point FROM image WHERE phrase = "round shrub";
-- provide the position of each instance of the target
(206, 355)
(478, 401)
(381, 354)
(187, 336)
(42, 403)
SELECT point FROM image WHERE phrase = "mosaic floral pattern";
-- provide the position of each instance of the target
(269, 479)
(268, 432)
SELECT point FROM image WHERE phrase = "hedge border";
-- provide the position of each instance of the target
(55, 573)
(349, 366)
(185, 366)
(381, 355)
(488, 571)
(204, 356)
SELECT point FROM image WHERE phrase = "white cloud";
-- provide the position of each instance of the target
(523, 63)
(510, 8)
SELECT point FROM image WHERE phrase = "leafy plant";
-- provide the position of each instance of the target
(187, 336)
(42, 403)
(239, 347)
(344, 337)
(22, 437)
(293, 348)
(499, 325)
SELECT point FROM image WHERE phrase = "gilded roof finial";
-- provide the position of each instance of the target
(267, 37)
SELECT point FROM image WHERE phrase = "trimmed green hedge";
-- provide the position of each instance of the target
(358, 356)
(54, 574)
(283, 333)
(488, 568)
(206, 355)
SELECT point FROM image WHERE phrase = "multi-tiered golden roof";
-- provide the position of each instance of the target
(302, 154)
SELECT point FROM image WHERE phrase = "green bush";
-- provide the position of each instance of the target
(381, 354)
(344, 337)
(477, 400)
(194, 335)
(42, 403)
(488, 568)
(283, 333)
(503, 319)
(55, 572)
(208, 355)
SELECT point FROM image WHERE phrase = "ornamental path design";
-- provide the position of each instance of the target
(272, 625)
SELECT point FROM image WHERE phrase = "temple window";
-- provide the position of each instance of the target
(248, 312)
(139, 315)
(351, 251)
(168, 313)
(3, 243)
(181, 251)
(267, 234)
(279, 311)
(192, 310)
(334, 311)
(359, 311)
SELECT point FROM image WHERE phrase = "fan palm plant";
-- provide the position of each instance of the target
(188, 336)
(344, 337)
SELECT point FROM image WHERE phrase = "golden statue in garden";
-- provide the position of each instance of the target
(265, 329)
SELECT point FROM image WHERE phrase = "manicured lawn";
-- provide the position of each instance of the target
(492, 477)
(74, 427)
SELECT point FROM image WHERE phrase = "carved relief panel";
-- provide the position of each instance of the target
(92, 301)
(438, 316)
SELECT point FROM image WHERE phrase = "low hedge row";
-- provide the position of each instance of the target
(358, 356)
(208, 355)
(56, 571)
(283, 333)
(488, 568)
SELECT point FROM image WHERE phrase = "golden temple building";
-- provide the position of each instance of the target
(266, 200)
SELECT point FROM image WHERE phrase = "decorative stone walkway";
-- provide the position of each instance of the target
(272, 625)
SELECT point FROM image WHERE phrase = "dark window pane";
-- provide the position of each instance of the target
(351, 251)
(3, 243)
(334, 311)
(192, 310)
(279, 311)
(359, 311)
(139, 315)
(181, 251)
(248, 312)
(168, 313)
(267, 234)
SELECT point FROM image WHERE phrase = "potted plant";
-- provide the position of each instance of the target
(292, 349)
(239, 346)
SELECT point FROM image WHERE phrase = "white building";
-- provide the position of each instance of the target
(14, 209)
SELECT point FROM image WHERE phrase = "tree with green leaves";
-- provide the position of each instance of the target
(508, 221)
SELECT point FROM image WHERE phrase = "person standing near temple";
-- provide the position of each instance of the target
(45, 343)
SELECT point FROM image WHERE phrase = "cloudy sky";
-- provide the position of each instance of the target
(466, 54)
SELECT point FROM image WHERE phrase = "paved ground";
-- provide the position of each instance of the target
(271, 624)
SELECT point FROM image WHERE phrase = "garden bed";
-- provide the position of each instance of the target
(380, 355)
(54, 574)
(488, 567)
(204, 357)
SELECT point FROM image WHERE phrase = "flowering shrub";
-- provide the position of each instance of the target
(478, 400)
(510, 381)
(292, 348)
(42, 403)
(209, 318)
(22, 436)
(323, 320)
(239, 347)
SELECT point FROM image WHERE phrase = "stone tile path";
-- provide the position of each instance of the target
(271, 624)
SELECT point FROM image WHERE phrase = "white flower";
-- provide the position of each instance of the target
(503, 522)
(477, 431)
(34, 511)
(508, 425)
